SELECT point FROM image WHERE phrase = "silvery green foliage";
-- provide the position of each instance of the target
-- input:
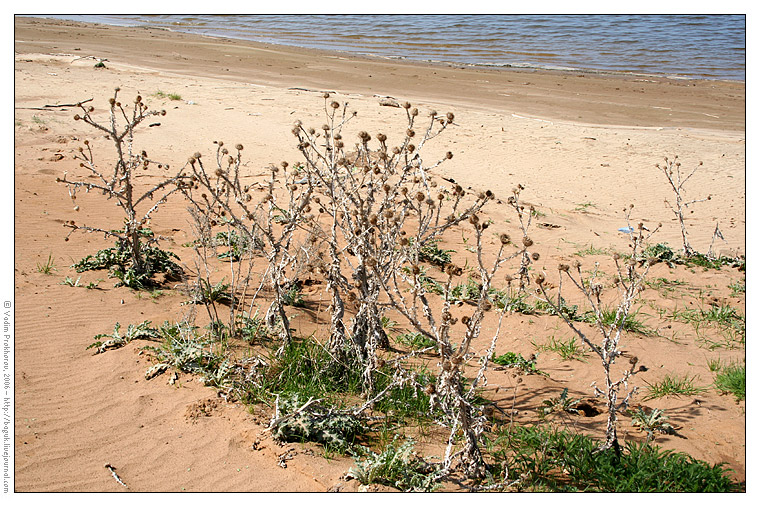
(115, 340)
(654, 421)
(183, 350)
(305, 421)
(397, 466)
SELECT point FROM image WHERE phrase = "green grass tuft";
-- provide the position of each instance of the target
(556, 460)
(732, 378)
(673, 386)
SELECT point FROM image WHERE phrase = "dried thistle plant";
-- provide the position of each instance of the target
(366, 194)
(677, 179)
(406, 292)
(277, 226)
(631, 274)
(119, 184)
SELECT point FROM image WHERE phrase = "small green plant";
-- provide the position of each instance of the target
(465, 292)
(724, 316)
(71, 282)
(732, 378)
(569, 350)
(183, 349)
(516, 360)
(715, 365)
(738, 288)
(300, 420)
(48, 267)
(170, 96)
(561, 403)
(397, 466)
(430, 252)
(673, 385)
(252, 328)
(592, 250)
(116, 340)
(654, 421)
(93, 285)
(664, 286)
(535, 213)
(100, 65)
(416, 341)
(584, 207)
(293, 297)
(212, 293)
(118, 261)
(632, 323)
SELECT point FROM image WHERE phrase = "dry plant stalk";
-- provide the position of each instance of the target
(269, 226)
(406, 292)
(629, 282)
(672, 171)
(119, 184)
(365, 196)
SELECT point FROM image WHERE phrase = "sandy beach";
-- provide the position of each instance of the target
(583, 145)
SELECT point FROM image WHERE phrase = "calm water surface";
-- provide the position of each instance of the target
(694, 46)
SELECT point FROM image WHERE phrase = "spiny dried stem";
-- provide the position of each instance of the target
(119, 185)
(677, 179)
(629, 282)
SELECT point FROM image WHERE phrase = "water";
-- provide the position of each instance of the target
(693, 46)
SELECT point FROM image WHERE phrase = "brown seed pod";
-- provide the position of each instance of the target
(527, 241)
(535, 256)
(504, 238)
(540, 279)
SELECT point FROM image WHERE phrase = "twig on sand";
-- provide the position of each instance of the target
(115, 476)
(49, 106)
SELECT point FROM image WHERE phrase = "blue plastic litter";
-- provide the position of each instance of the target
(627, 230)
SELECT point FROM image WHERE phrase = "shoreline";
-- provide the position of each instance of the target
(582, 97)
(414, 59)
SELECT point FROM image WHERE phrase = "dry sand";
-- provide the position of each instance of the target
(584, 146)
